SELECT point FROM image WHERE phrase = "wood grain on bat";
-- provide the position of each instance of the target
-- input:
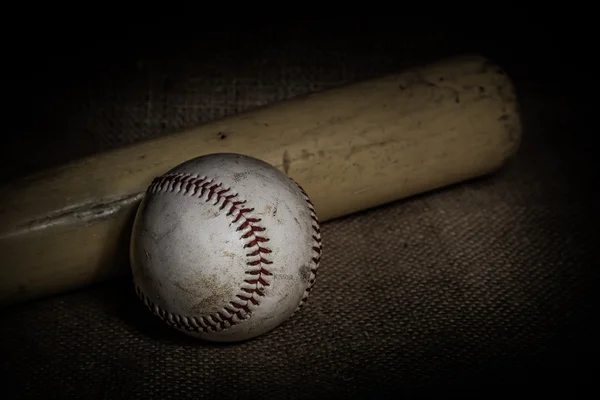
(351, 148)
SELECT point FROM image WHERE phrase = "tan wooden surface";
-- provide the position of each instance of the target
(351, 148)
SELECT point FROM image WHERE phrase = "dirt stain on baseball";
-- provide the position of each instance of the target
(239, 176)
(183, 286)
(212, 295)
(304, 272)
(163, 235)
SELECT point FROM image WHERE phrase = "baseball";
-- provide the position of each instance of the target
(225, 247)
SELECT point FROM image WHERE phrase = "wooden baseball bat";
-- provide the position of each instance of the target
(351, 148)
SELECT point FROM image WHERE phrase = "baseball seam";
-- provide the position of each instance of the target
(317, 249)
(258, 276)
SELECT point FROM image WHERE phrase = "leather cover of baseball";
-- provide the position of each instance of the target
(225, 247)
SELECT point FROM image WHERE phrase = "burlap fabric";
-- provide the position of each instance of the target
(481, 287)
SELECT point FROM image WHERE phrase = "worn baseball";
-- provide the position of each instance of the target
(225, 247)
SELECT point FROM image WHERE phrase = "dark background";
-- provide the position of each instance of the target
(509, 307)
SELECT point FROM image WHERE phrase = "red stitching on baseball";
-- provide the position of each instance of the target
(233, 312)
(317, 249)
